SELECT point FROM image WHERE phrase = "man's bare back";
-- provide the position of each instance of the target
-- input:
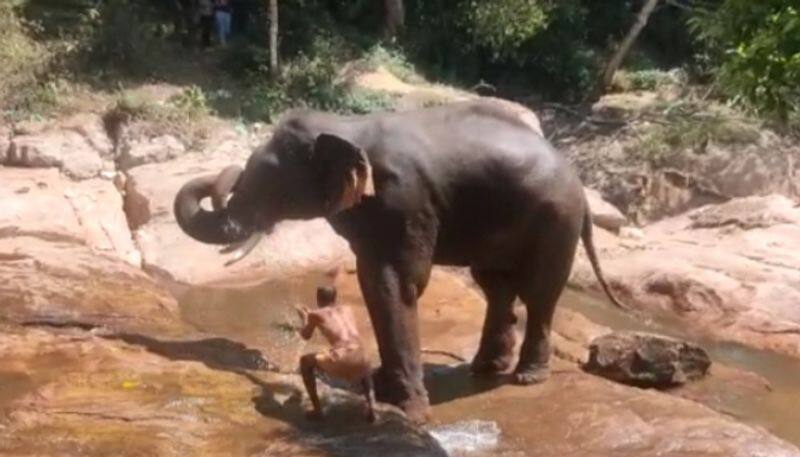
(345, 359)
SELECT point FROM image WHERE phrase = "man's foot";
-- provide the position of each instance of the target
(533, 374)
(371, 417)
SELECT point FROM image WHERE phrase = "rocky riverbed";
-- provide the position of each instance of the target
(121, 336)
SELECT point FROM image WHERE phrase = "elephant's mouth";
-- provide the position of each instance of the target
(242, 249)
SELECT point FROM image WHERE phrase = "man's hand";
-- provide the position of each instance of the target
(302, 312)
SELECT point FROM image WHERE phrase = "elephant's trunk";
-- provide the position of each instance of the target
(214, 227)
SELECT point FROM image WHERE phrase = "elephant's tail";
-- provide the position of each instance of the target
(588, 244)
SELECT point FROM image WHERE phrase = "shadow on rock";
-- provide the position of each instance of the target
(344, 432)
(215, 353)
(446, 383)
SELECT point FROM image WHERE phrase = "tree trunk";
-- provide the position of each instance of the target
(274, 67)
(623, 49)
(394, 14)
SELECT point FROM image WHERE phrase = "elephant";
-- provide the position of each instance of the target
(472, 184)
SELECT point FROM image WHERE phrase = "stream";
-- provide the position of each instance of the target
(778, 411)
(259, 317)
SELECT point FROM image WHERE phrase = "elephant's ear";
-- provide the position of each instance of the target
(344, 172)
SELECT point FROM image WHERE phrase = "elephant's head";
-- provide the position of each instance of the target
(293, 176)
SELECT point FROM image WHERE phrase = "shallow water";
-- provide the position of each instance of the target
(245, 323)
(778, 410)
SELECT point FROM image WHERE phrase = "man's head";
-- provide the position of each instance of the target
(326, 296)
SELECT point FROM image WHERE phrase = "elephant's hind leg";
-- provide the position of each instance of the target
(496, 350)
(541, 283)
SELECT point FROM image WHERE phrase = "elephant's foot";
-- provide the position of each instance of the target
(413, 400)
(531, 374)
(489, 366)
(495, 356)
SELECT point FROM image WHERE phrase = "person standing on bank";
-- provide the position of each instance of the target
(222, 14)
(206, 11)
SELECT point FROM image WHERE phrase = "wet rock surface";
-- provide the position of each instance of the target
(205, 391)
(646, 360)
(728, 272)
(102, 357)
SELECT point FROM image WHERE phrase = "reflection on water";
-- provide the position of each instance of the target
(261, 317)
(467, 436)
(778, 410)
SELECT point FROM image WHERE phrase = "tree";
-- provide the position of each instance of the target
(274, 67)
(623, 49)
(394, 16)
(753, 51)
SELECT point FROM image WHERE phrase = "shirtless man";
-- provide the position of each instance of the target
(345, 359)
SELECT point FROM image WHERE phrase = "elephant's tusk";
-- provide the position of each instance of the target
(242, 249)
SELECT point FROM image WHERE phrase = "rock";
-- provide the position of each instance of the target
(729, 272)
(91, 128)
(61, 281)
(68, 391)
(646, 360)
(65, 150)
(5, 144)
(40, 203)
(295, 247)
(74, 393)
(648, 191)
(150, 150)
(604, 214)
(574, 413)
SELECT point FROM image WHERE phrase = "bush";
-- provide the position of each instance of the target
(625, 80)
(689, 126)
(184, 115)
(310, 80)
(393, 60)
(22, 63)
(753, 49)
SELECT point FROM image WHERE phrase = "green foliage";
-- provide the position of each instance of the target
(688, 126)
(393, 60)
(625, 80)
(22, 63)
(310, 80)
(184, 115)
(504, 26)
(754, 51)
(191, 102)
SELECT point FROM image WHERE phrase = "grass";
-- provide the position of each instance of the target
(23, 62)
(184, 115)
(688, 127)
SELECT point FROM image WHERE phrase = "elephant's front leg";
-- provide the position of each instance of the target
(391, 292)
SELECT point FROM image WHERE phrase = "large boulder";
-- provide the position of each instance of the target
(646, 360)
(150, 150)
(604, 214)
(76, 146)
(729, 272)
(61, 281)
(40, 203)
(67, 257)
(295, 246)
